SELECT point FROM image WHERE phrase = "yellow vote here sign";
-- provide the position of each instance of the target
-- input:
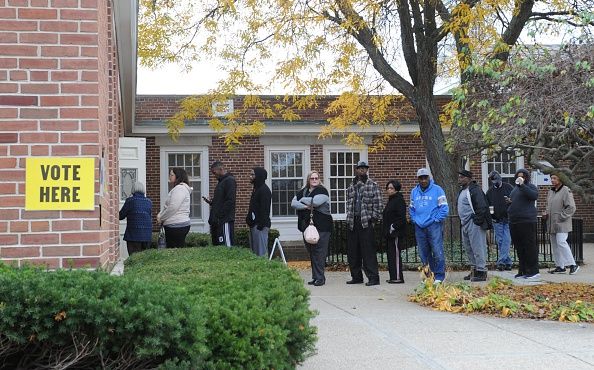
(54, 183)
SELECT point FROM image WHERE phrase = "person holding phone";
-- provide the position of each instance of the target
(222, 206)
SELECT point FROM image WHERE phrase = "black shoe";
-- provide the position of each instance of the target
(353, 281)
(479, 276)
(558, 270)
(319, 282)
(500, 267)
(573, 269)
(508, 268)
(395, 281)
(372, 283)
(311, 282)
(469, 276)
(519, 275)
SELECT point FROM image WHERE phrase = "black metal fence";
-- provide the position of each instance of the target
(454, 251)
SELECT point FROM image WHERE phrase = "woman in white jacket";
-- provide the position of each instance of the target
(175, 216)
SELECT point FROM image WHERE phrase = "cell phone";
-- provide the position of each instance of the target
(206, 199)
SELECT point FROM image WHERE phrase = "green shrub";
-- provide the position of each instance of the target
(86, 319)
(241, 239)
(257, 311)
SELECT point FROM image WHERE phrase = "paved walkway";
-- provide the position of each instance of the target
(376, 327)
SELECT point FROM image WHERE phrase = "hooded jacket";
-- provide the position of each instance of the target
(428, 206)
(522, 208)
(222, 207)
(259, 211)
(496, 197)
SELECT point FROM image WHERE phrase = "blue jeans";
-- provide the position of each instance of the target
(430, 243)
(503, 240)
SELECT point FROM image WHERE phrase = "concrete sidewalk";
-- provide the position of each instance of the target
(376, 327)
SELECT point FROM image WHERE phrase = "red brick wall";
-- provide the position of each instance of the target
(58, 97)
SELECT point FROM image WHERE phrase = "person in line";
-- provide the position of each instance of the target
(475, 220)
(496, 195)
(394, 230)
(313, 200)
(258, 217)
(222, 206)
(560, 209)
(138, 209)
(522, 224)
(175, 215)
(364, 208)
(428, 208)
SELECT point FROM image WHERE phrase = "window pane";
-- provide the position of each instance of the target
(191, 163)
(286, 179)
(342, 166)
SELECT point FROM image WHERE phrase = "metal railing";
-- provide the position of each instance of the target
(454, 251)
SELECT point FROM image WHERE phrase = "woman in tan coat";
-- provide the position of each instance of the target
(560, 208)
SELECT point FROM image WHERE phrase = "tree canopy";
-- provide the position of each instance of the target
(362, 48)
(541, 105)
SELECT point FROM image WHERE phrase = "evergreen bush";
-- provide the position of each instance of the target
(84, 319)
(257, 311)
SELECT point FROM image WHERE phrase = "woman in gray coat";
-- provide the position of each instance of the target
(560, 208)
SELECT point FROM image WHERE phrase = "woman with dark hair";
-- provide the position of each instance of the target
(394, 230)
(175, 216)
(137, 211)
(314, 201)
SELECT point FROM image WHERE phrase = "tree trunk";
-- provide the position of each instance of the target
(444, 166)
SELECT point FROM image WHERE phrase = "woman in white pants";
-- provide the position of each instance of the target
(560, 208)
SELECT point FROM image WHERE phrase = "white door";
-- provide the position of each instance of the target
(132, 159)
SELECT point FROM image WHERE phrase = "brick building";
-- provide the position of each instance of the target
(67, 71)
(288, 150)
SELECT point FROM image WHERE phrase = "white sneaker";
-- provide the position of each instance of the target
(437, 282)
(532, 277)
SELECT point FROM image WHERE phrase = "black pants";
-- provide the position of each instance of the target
(135, 247)
(317, 255)
(524, 239)
(222, 234)
(394, 259)
(175, 237)
(361, 248)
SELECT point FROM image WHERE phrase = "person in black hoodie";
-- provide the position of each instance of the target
(522, 225)
(498, 206)
(258, 217)
(314, 201)
(222, 206)
(394, 230)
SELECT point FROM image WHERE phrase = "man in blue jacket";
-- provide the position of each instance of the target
(428, 209)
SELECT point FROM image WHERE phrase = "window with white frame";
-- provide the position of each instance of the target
(340, 170)
(506, 163)
(192, 163)
(287, 172)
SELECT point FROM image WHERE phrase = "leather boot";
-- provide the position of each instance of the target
(479, 276)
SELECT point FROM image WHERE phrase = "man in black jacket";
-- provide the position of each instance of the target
(496, 195)
(476, 220)
(222, 206)
(258, 217)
